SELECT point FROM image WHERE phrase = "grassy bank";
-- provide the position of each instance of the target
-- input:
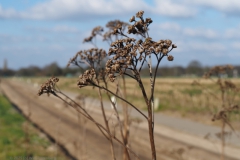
(19, 139)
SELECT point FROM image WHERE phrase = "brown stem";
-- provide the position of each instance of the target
(97, 124)
(106, 123)
(152, 89)
(126, 154)
(100, 127)
(223, 139)
(150, 119)
(151, 136)
(122, 99)
(126, 115)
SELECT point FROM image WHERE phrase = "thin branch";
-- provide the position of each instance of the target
(129, 75)
(98, 125)
(121, 99)
(155, 75)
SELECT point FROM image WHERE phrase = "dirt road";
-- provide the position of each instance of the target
(83, 140)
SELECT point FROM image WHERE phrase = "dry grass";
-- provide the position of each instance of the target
(177, 96)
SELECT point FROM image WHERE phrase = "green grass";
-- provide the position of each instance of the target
(19, 138)
(192, 92)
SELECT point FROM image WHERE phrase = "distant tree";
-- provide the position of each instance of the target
(7, 73)
(195, 67)
(72, 71)
(195, 64)
(29, 71)
(52, 70)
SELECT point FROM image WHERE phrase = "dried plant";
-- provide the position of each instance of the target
(48, 87)
(125, 129)
(126, 56)
(96, 31)
(112, 26)
(93, 58)
(227, 102)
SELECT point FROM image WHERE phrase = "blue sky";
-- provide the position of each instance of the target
(38, 32)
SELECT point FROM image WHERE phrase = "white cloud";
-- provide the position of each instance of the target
(75, 9)
(236, 45)
(174, 9)
(55, 29)
(7, 13)
(170, 26)
(83, 9)
(232, 33)
(226, 6)
(65, 29)
(200, 32)
(15, 39)
(188, 32)
(197, 49)
(207, 47)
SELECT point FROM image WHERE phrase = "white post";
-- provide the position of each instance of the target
(156, 103)
(114, 100)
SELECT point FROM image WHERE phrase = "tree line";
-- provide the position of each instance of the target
(193, 69)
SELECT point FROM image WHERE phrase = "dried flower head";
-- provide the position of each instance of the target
(222, 114)
(96, 31)
(148, 20)
(111, 25)
(174, 46)
(91, 57)
(127, 54)
(115, 27)
(139, 14)
(170, 58)
(141, 26)
(48, 87)
(218, 70)
(132, 19)
(87, 78)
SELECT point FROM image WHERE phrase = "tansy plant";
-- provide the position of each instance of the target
(126, 57)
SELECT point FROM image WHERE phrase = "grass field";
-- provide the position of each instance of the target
(177, 96)
(19, 139)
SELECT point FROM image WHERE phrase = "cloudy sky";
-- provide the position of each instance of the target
(38, 32)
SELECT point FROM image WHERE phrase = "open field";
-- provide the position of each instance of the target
(177, 96)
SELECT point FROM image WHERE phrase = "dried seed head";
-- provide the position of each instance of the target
(132, 19)
(170, 58)
(139, 41)
(88, 39)
(168, 43)
(97, 31)
(132, 29)
(115, 31)
(148, 20)
(89, 57)
(48, 87)
(217, 70)
(111, 77)
(140, 26)
(157, 50)
(139, 14)
(165, 51)
(174, 46)
(87, 78)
